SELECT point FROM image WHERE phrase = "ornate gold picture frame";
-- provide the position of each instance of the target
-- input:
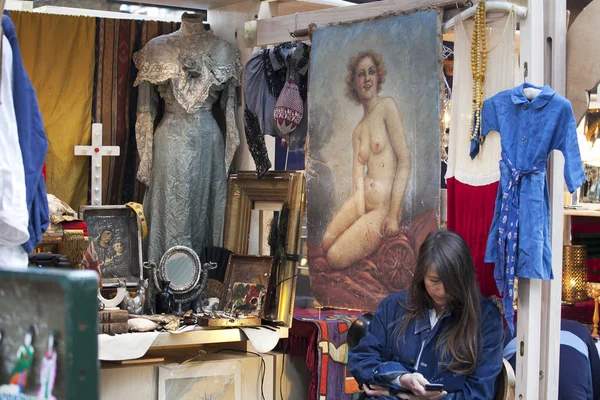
(243, 191)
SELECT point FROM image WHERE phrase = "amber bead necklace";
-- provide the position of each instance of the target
(478, 67)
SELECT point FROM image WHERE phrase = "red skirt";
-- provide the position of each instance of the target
(470, 214)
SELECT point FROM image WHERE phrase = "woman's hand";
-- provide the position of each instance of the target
(376, 391)
(416, 384)
(390, 226)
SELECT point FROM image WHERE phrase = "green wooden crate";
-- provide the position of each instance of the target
(63, 302)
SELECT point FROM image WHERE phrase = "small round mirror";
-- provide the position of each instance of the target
(180, 265)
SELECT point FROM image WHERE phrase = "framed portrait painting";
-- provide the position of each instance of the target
(116, 235)
(373, 164)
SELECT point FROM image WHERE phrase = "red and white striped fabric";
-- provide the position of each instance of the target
(91, 262)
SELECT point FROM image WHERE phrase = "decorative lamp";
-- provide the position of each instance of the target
(593, 277)
(574, 274)
(594, 293)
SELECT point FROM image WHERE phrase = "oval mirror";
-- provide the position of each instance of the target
(180, 265)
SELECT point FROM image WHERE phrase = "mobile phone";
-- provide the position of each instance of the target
(434, 387)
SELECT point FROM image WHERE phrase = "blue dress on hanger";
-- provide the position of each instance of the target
(519, 239)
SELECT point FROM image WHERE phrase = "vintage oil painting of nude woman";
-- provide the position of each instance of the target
(373, 167)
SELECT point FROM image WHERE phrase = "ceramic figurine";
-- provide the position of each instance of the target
(48, 370)
(210, 305)
(18, 376)
(165, 301)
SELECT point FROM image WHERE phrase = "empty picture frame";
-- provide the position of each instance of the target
(244, 189)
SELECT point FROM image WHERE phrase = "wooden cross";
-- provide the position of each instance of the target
(97, 151)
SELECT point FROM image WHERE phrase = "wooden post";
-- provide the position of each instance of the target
(555, 60)
(530, 290)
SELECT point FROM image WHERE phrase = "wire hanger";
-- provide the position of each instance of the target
(490, 6)
(299, 34)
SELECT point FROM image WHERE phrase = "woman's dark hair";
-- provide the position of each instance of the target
(32, 330)
(448, 253)
(351, 91)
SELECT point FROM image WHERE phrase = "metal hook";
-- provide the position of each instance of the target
(525, 72)
(296, 21)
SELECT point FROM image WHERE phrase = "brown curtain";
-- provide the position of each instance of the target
(115, 100)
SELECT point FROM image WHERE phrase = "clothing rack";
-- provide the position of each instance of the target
(490, 6)
(269, 31)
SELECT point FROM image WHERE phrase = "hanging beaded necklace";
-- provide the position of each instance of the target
(478, 67)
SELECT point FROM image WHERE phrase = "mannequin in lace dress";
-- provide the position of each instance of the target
(184, 161)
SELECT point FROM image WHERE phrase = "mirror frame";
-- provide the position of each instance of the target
(197, 268)
(243, 189)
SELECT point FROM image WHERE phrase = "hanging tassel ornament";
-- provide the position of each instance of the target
(478, 67)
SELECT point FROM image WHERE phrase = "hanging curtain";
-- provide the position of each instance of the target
(115, 100)
(58, 54)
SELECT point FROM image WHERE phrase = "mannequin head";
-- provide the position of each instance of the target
(194, 18)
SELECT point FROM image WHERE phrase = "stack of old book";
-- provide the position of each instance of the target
(113, 321)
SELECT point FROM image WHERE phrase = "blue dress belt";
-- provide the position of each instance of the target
(506, 258)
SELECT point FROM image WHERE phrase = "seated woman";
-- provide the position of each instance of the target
(442, 331)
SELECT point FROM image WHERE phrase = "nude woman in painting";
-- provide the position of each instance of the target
(380, 168)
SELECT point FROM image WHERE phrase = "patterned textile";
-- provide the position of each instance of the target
(193, 70)
(265, 75)
(90, 261)
(115, 100)
(288, 109)
(585, 231)
(322, 342)
(507, 231)
(256, 143)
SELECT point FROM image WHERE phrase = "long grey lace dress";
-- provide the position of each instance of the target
(185, 161)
